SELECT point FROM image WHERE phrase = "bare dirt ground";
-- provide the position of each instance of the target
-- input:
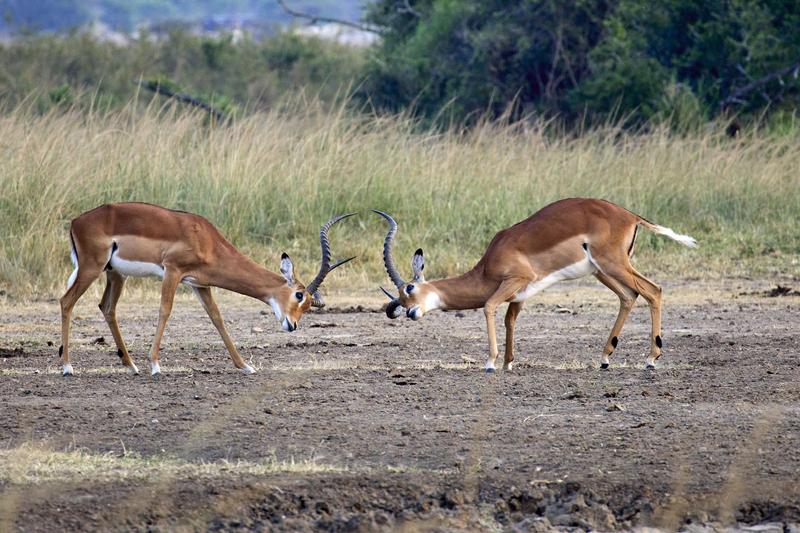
(356, 422)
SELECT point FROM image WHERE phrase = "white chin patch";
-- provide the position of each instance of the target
(275, 308)
(67, 371)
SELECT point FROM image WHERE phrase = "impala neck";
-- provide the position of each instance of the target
(467, 291)
(239, 273)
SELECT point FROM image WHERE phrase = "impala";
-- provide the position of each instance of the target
(565, 240)
(137, 239)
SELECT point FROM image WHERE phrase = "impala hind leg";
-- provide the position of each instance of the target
(168, 287)
(621, 271)
(115, 282)
(652, 293)
(513, 311)
(504, 293)
(627, 297)
(207, 299)
(80, 280)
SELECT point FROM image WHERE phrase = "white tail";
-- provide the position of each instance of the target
(685, 240)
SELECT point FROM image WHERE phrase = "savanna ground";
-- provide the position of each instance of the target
(356, 422)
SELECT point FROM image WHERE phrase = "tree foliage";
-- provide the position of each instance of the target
(676, 60)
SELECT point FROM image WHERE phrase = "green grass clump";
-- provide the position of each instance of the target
(270, 179)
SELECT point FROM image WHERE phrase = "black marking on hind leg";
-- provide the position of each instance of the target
(61, 350)
(119, 352)
(614, 341)
(633, 241)
(658, 341)
(113, 249)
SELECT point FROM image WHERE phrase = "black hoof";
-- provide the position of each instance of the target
(604, 366)
(650, 367)
(489, 370)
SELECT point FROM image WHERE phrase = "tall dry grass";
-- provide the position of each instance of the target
(269, 180)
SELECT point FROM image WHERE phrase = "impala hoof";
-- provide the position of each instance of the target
(489, 370)
(247, 369)
(133, 370)
(650, 366)
(604, 366)
(155, 369)
(508, 367)
(67, 371)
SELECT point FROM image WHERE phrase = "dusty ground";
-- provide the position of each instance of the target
(358, 422)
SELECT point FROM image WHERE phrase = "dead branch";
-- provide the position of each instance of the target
(314, 19)
(219, 115)
(736, 97)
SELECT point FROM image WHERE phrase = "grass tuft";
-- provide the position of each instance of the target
(269, 180)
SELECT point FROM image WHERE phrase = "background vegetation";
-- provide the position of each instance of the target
(642, 60)
(270, 179)
(130, 15)
(464, 118)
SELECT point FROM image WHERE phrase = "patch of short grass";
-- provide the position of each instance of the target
(30, 464)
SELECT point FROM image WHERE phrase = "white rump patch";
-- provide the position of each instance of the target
(683, 239)
(574, 271)
(74, 257)
(71, 280)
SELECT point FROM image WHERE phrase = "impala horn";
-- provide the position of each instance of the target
(394, 309)
(325, 266)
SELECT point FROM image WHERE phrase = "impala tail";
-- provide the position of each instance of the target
(685, 240)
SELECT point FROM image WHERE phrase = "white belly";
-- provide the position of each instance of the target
(136, 269)
(574, 271)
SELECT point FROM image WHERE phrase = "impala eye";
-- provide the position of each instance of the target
(409, 288)
(299, 296)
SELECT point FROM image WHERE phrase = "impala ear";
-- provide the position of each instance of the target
(417, 265)
(287, 268)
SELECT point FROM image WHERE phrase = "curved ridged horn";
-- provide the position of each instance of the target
(325, 266)
(387, 293)
(387, 251)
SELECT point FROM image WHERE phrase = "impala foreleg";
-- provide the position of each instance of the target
(504, 293)
(168, 288)
(207, 299)
(627, 298)
(513, 311)
(108, 306)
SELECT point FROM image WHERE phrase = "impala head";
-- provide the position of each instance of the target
(294, 299)
(416, 297)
